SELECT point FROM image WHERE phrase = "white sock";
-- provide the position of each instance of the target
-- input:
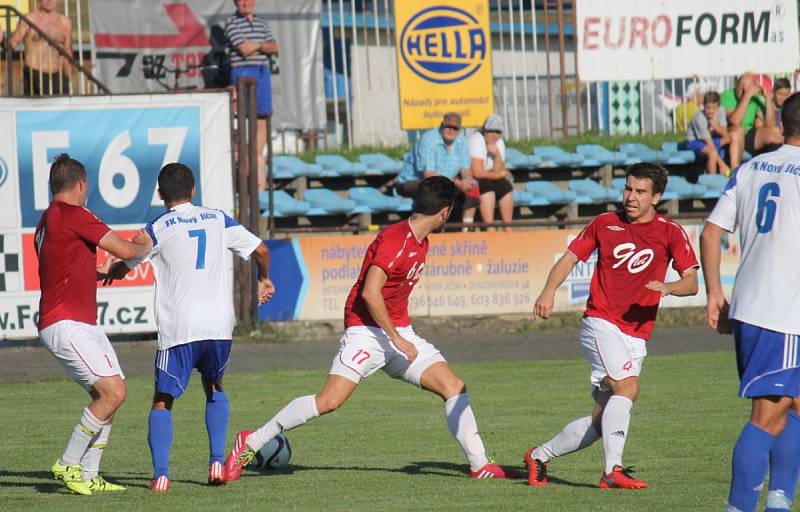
(85, 430)
(461, 423)
(296, 412)
(616, 418)
(577, 435)
(90, 463)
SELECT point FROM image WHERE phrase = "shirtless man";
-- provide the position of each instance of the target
(45, 72)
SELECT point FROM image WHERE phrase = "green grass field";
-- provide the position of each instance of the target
(389, 448)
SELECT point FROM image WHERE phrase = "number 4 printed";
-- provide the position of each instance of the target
(363, 354)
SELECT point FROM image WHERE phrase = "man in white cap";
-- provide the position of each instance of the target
(487, 153)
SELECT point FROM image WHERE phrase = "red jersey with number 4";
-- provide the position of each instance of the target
(398, 252)
(630, 256)
(66, 244)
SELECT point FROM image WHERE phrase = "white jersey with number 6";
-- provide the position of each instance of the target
(190, 262)
(762, 201)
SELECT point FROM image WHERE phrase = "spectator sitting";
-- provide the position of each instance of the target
(781, 90)
(708, 136)
(444, 151)
(686, 110)
(487, 153)
(746, 107)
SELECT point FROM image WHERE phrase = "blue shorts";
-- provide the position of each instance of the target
(767, 361)
(263, 85)
(174, 365)
(699, 145)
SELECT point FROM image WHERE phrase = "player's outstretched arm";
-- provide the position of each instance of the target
(710, 258)
(266, 289)
(684, 287)
(124, 249)
(373, 298)
(544, 303)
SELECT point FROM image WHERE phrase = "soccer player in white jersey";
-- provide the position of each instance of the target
(634, 247)
(194, 312)
(762, 203)
(378, 335)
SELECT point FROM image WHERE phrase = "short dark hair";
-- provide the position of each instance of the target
(710, 97)
(433, 194)
(65, 173)
(175, 181)
(653, 172)
(790, 116)
(781, 83)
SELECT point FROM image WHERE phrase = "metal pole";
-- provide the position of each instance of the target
(524, 69)
(343, 49)
(9, 57)
(536, 70)
(270, 184)
(513, 70)
(579, 114)
(562, 74)
(547, 56)
(242, 276)
(503, 88)
(332, 47)
(354, 59)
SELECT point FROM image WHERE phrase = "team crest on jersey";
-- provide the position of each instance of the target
(636, 261)
(615, 228)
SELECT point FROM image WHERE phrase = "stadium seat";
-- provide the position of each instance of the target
(671, 148)
(340, 166)
(550, 192)
(376, 201)
(289, 167)
(330, 203)
(518, 160)
(378, 163)
(553, 156)
(644, 153)
(714, 183)
(285, 205)
(684, 189)
(604, 155)
(595, 191)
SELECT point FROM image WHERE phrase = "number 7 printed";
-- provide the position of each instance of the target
(360, 352)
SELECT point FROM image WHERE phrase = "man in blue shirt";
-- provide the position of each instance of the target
(444, 151)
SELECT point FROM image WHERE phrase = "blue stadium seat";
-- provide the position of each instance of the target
(684, 189)
(550, 192)
(376, 201)
(644, 153)
(714, 183)
(553, 156)
(285, 205)
(517, 160)
(340, 166)
(329, 202)
(595, 191)
(378, 163)
(604, 155)
(289, 167)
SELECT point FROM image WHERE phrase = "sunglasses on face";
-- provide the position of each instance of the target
(451, 127)
(498, 132)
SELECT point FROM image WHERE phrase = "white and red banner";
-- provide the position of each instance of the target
(162, 45)
(660, 39)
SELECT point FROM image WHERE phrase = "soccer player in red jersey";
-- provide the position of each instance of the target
(634, 248)
(378, 335)
(66, 240)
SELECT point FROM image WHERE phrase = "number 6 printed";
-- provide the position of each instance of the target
(363, 354)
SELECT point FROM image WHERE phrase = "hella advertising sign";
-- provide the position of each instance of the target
(444, 61)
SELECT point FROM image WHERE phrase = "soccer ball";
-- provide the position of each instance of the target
(273, 455)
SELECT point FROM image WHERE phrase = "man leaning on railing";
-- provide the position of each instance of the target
(45, 71)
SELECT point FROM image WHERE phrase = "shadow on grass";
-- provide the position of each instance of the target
(43, 482)
(415, 468)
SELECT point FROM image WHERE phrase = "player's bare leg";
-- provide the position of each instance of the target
(440, 379)
(506, 206)
(79, 465)
(486, 206)
(334, 394)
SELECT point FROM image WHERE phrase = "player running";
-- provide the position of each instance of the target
(378, 335)
(762, 201)
(66, 239)
(634, 248)
(194, 312)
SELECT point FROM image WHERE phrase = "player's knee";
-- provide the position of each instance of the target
(116, 395)
(326, 404)
(454, 386)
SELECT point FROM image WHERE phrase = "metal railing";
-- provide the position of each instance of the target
(19, 74)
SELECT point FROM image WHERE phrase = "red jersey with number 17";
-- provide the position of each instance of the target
(398, 252)
(66, 244)
(629, 256)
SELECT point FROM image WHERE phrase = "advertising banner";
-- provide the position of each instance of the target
(661, 39)
(159, 45)
(465, 274)
(123, 141)
(443, 61)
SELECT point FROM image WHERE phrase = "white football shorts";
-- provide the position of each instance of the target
(83, 350)
(364, 350)
(611, 352)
